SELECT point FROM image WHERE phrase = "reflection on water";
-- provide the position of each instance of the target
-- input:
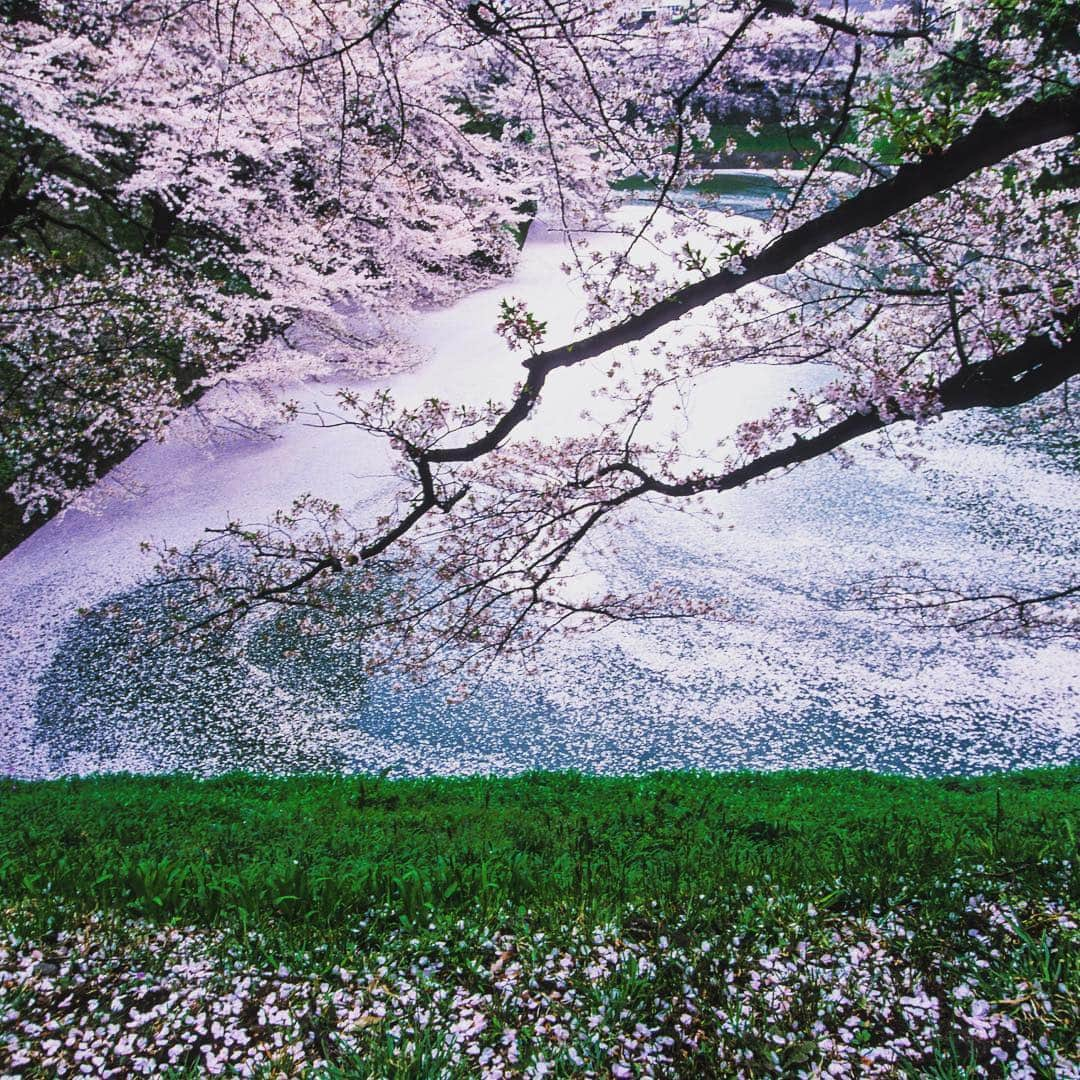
(741, 191)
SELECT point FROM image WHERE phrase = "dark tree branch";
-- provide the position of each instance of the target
(1012, 378)
(919, 597)
(1008, 378)
(990, 140)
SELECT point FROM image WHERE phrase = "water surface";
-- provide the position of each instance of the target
(787, 679)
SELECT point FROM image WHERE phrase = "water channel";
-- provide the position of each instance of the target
(789, 679)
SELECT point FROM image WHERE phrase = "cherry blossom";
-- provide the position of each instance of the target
(308, 170)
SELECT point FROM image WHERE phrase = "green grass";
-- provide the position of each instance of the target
(771, 138)
(302, 856)
(694, 921)
(773, 143)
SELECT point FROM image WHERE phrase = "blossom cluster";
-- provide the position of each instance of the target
(297, 158)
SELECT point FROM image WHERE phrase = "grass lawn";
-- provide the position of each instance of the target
(550, 924)
(771, 138)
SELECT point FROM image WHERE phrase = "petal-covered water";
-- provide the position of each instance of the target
(788, 679)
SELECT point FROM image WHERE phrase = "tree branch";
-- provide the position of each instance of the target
(990, 140)
(1012, 378)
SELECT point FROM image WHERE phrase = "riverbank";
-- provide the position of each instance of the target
(673, 924)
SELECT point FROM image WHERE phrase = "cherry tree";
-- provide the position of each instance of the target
(196, 194)
(184, 182)
(925, 259)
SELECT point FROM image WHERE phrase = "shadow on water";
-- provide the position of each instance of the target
(110, 700)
